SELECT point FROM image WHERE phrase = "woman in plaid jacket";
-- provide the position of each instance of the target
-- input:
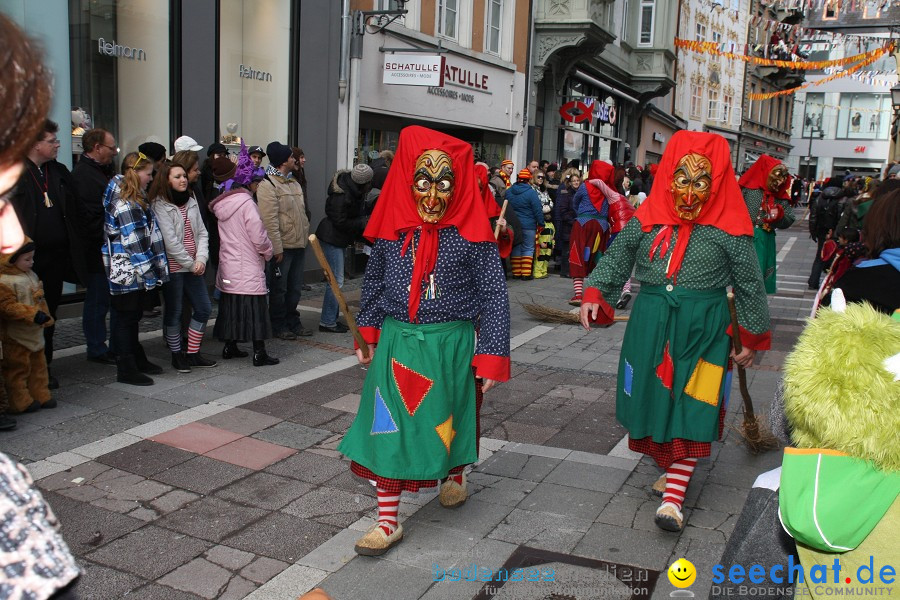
(131, 230)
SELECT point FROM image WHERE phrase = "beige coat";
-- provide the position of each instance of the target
(283, 211)
(21, 297)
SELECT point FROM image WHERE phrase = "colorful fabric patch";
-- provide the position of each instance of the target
(384, 420)
(726, 392)
(705, 383)
(629, 377)
(665, 370)
(446, 432)
(413, 386)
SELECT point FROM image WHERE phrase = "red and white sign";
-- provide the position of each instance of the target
(414, 69)
(859, 149)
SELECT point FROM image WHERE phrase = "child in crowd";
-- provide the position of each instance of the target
(187, 252)
(25, 315)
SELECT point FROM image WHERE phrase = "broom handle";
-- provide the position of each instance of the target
(351, 322)
(502, 214)
(742, 375)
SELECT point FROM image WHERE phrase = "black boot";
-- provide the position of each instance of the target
(144, 365)
(260, 357)
(7, 423)
(231, 350)
(127, 372)
(180, 362)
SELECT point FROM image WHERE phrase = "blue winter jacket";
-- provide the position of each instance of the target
(527, 205)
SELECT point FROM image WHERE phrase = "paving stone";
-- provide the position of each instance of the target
(649, 549)
(502, 490)
(377, 580)
(290, 582)
(346, 403)
(567, 501)
(45, 442)
(144, 410)
(144, 514)
(150, 552)
(202, 475)
(97, 425)
(315, 416)
(721, 498)
(588, 477)
(263, 569)
(197, 437)
(237, 589)
(251, 453)
(230, 558)
(199, 577)
(544, 530)
(210, 519)
(334, 553)
(242, 421)
(263, 490)
(708, 519)
(98, 581)
(477, 518)
(145, 458)
(93, 397)
(523, 432)
(293, 435)
(83, 493)
(330, 502)
(425, 545)
(282, 536)
(349, 482)
(187, 395)
(309, 467)
(119, 506)
(452, 590)
(173, 501)
(153, 591)
(86, 527)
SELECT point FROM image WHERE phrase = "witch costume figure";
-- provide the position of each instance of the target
(690, 239)
(766, 188)
(434, 277)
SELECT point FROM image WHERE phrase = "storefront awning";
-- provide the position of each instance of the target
(596, 82)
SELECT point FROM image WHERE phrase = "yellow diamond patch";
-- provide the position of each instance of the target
(446, 432)
(705, 382)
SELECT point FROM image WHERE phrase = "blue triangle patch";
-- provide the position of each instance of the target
(383, 421)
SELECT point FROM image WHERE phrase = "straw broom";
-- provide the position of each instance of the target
(755, 432)
(554, 315)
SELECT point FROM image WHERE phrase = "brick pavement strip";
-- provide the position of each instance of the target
(563, 483)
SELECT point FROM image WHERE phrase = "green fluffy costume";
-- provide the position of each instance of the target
(841, 483)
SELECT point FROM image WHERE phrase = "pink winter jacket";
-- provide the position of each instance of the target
(244, 244)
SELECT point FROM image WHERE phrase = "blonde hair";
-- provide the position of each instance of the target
(131, 190)
(569, 173)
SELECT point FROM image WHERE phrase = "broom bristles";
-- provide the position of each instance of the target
(551, 315)
(757, 436)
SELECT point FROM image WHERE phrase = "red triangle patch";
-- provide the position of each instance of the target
(413, 386)
(666, 370)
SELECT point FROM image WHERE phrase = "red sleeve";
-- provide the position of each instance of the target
(490, 366)
(606, 313)
(505, 243)
(370, 334)
(754, 341)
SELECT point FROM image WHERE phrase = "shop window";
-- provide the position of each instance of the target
(700, 35)
(448, 18)
(494, 23)
(864, 116)
(648, 9)
(696, 100)
(254, 63)
(119, 53)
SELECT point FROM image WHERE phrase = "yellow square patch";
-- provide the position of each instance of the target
(705, 382)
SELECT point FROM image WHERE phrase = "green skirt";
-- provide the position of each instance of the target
(764, 242)
(673, 364)
(416, 416)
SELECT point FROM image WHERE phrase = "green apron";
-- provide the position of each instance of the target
(416, 417)
(764, 243)
(673, 364)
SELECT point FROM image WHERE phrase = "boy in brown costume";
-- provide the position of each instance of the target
(25, 314)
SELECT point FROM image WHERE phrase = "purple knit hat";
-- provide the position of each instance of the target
(244, 171)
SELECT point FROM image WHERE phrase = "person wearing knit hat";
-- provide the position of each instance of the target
(282, 205)
(222, 169)
(154, 151)
(216, 149)
(25, 315)
(525, 202)
(506, 170)
(343, 225)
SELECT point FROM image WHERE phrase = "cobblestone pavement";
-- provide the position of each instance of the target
(225, 482)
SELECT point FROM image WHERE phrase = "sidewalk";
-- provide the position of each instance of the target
(225, 482)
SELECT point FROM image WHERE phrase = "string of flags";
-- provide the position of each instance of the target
(714, 49)
(871, 77)
(819, 105)
(832, 77)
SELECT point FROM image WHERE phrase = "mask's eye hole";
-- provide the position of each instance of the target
(423, 184)
(444, 185)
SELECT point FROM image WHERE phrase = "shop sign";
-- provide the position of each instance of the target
(114, 49)
(466, 78)
(576, 111)
(251, 73)
(414, 69)
(658, 137)
(452, 94)
(859, 149)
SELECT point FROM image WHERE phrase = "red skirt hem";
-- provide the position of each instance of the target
(666, 453)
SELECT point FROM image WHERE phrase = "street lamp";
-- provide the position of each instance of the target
(821, 132)
(895, 96)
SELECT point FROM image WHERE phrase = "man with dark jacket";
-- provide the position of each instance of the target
(344, 222)
(44, 203)
(90, 177)
(823, 220)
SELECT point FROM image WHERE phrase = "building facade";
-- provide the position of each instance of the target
(596, 68)
(710, 88)
(484, 46)
(844, 124)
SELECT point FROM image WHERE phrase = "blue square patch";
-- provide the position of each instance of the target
(629, 376)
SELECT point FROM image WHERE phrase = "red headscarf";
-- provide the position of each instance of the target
(490, 204)
(600, 169)
(396, 213)
(756, 178)
(724, 210)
